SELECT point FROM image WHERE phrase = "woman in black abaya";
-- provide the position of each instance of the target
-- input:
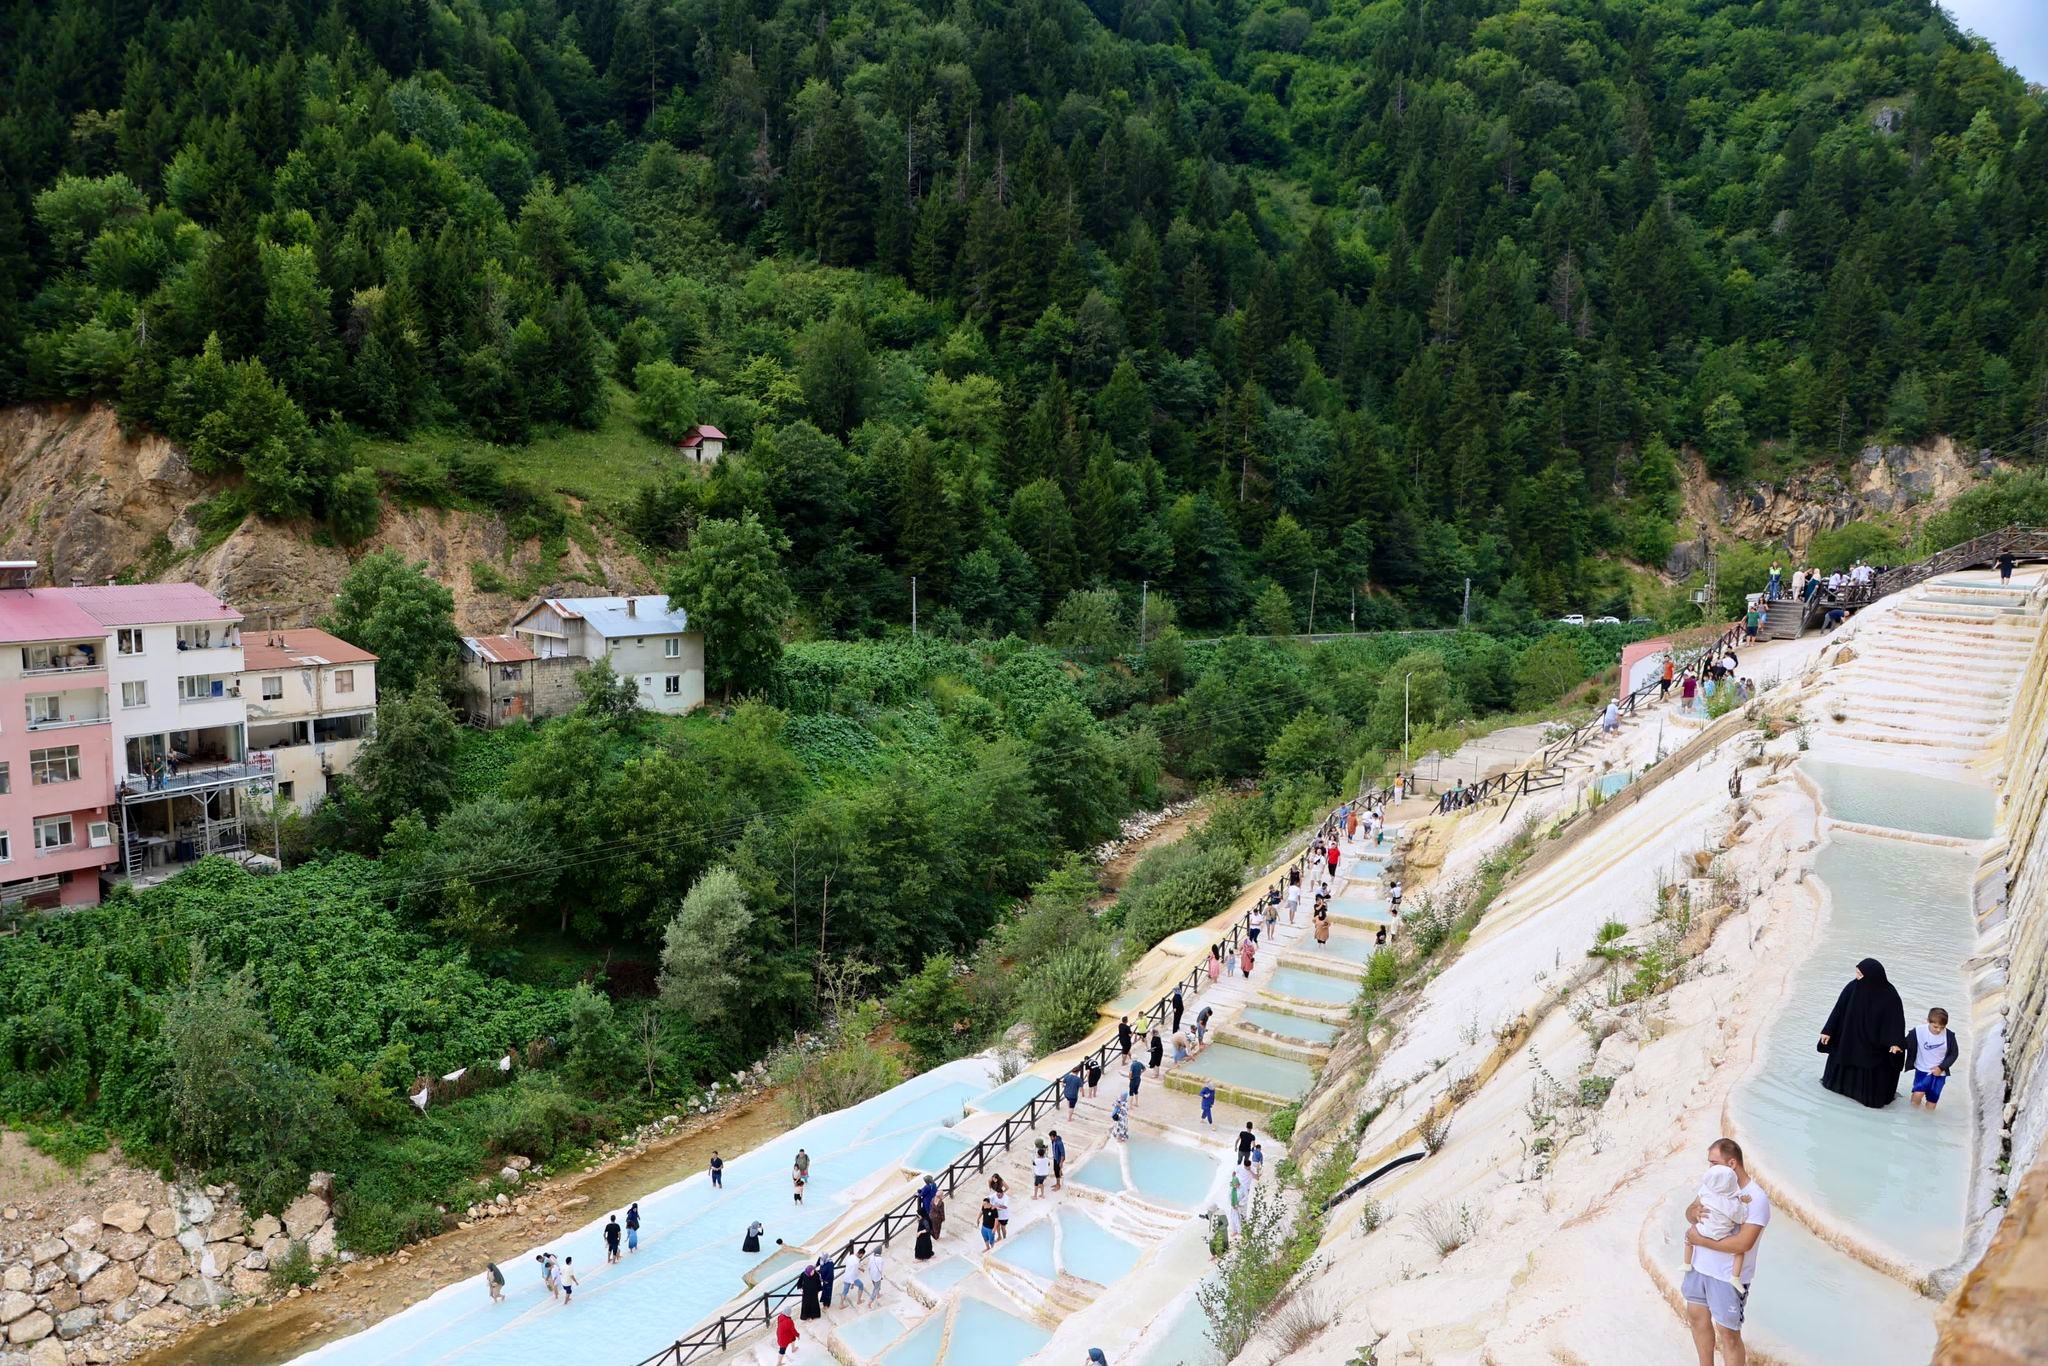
(1861, 1038)
(808, 1282)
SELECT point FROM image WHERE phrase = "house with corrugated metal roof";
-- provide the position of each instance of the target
(643, 637)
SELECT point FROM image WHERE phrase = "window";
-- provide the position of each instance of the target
(6, 783)
(59, 765)
(672, 648)
(195, 637)
(45, 709)
(99, 834)
(6, 847)
(284, 792)
(53, 832)
(344, 680)
(273, 687)
(672, 686)
(135, 694)
(128, 640)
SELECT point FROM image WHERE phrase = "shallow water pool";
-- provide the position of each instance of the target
(1361, 908)
(1187, 941)
(936, 1151)
(870, 1333)
(922, 1347)
(689, 1262)
(1171, 1173)
(1607, 784)
(1895, 1176)
(1303, 985)
(1092, 1252)
(1290, 1026)
(1261, 1072)
(984, 1335)
(1897, 800)
(1030, 1249)
(1103, 1172)
(1185, 1341)
(1011, 1096)
(1343, 948)
(942, 1274)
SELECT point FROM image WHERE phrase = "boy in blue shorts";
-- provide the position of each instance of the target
(1933, 1049)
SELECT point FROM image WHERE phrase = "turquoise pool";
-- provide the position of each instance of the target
(1343, 948)
(1361, 908)
(1317, 987)
(1290, 1026)
(1185, 1341)
(936, 1151)
(922, 1347)
(1171, 1173)
(984, 1335)
(870, 1333)
(1103, 1172)
(1261, 1072)
(1607, 784)
(1092, 1252)
(1010, 1096)
(1898, 800)
(1030, 1249)
(943, 1274)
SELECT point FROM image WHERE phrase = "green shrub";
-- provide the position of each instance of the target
(1064, 997)
(294, 1268)
(1282, 1121)
(1383, 972)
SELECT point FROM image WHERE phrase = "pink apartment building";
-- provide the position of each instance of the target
(58, 805)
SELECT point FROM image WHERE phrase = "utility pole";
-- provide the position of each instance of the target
(913, 607)
(1465, 612)
(1404, 720)
(1144, 599)
(1314, 575)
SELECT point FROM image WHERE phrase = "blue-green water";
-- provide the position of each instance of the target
(922, 1347)
(1898, 800)
(870, 1333)
(1090, 1251)
(1010, 1096)
(1317, 987)
(984, 1335)
(1260, 1072)
(1171, 1173)
(1290, 1026)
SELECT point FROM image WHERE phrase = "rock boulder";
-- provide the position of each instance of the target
(196, 1292)
(304, 1215)
(83, 1266)
(125, 1215)
(166, 1263)
(15, 1305)
(114, 1281)
(162, 1223)
(77, 1321)
(82, 1234)
(31, 1328)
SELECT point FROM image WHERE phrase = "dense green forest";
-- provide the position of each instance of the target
(1023, 298)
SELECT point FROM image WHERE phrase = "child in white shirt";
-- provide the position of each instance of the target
(1720, 1210)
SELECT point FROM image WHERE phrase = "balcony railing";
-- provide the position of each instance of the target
(198, 774)
(224, 695)
(64, 722)
(72, 667)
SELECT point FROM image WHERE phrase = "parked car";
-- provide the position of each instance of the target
(1607, 621)
(1572, 619)
(1642, 621)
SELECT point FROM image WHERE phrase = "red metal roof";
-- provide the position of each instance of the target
(500, 649)
(31, 615)
(299, 647)
(150, 604)
(698, 434)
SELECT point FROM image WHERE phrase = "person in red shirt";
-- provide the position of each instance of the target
(785, 1336)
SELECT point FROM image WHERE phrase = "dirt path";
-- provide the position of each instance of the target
(355, 1297)
(1168, 831)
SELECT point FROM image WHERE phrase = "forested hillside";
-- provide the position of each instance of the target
(1025, 298)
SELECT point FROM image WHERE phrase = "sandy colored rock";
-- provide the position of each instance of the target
(125, 1247)
(125, 1215)
(113, 1282)
(247, 1283)
(162, 1223)
(256, 1261)
(63, 1295)
(48, 1352)
(47, 1250)
(264, 1229)
(304, 1215)
(14, 1305)
(165, 1263)
(322, 1244)
(82, 1233)
(157, 1319)
(16, 1278)
(225, 1228)
(31, 1328)
(218, 1257)
(276, 1247)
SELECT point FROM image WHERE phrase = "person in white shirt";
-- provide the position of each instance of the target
(1716, 1295)
(1293, 900)
(1932, 1050)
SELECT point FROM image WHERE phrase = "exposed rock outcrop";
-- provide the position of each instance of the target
(91, 502)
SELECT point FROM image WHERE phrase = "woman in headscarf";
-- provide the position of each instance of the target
(1861, 1038)
(923, 1248)
(808, 1282)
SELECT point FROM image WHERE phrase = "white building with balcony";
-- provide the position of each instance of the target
(181, 760)
(643, 637)
(311, 700)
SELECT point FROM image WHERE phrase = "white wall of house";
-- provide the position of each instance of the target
(145, 670)
(669, 669)
(290, 702)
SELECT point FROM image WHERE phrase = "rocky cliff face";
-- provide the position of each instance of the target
(1908, 483)
(90, 503)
